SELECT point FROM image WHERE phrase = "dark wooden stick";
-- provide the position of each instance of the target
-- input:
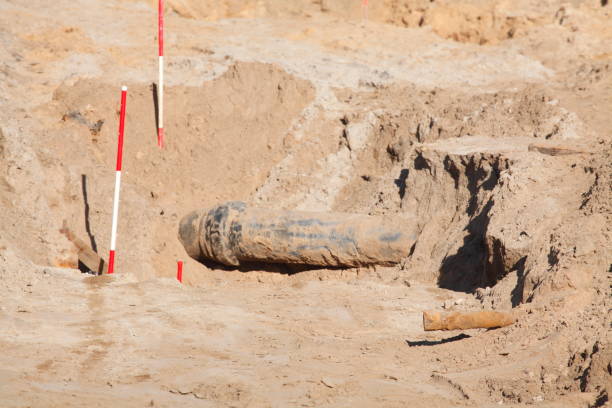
(87, 256)
(554, 150)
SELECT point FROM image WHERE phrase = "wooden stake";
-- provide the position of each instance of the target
(554, 150)
(86, 255)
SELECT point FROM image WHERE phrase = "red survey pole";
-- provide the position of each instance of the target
(111, 257)
(364, 9)
(160, 83)
(179, 271)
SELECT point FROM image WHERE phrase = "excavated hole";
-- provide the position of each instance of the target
(259, 135)
(222, 141)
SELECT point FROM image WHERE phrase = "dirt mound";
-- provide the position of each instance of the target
(472, 21)
(213, 10)
(229, 133)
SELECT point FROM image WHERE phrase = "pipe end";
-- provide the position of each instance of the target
(189, 234)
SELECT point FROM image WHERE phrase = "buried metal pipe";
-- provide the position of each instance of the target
(232, 233)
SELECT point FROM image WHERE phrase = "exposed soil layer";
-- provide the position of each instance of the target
(489, 122)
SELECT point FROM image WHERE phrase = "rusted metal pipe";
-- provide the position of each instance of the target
(486, 319)
(232, 233)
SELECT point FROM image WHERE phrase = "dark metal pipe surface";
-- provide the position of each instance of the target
(232, 233)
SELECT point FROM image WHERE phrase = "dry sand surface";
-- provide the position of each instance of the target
(490, 121)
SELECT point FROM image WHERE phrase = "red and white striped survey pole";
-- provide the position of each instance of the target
(160, 83)
(364, 10)
(111, 256)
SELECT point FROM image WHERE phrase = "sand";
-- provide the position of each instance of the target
(489, 121)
